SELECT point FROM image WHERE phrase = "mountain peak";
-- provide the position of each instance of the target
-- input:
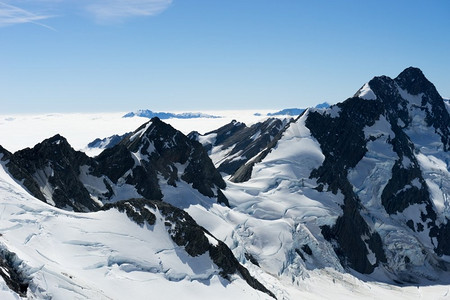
(413, 81)
(411, 72)
(56, 139)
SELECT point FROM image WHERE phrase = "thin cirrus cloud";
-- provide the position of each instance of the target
(103, 11)
(118, 10)
(12, 15)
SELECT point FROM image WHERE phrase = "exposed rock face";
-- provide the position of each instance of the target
(245, 170)
(107, 142)
(344, 144)
(185, 232)
(50, 171)
(161, 147)
(11, 272)
(239, 143)
(155, 154)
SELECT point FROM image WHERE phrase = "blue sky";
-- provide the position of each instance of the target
(168, 55)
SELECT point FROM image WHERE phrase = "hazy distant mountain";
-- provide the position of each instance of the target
(295, 111)
(145, 113)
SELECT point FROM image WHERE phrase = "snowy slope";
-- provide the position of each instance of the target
(103, 255)
(286, 208)
(277, 217)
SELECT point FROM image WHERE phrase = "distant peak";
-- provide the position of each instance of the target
(146, 113)
(323, 105)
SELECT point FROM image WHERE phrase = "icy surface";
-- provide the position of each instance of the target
(103, 255)
(366, 93)
(433, 161)
(285, 208)
(374, 170)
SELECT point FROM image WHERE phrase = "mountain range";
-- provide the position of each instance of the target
(360, 188)
(146, 113)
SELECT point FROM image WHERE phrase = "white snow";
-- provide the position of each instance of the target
(433, 161)
(141, 132)
(372, 173)
(447, 104)
(366, 93)
(207, 139)
(332, 111)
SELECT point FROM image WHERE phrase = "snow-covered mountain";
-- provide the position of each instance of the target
(354, 196)
(107, 142)
(365, 182)
(130, 248)
(153, 156)
(146, 113)
(233, 144)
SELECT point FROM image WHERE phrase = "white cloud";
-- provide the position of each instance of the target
(11, 15)
(113, 10)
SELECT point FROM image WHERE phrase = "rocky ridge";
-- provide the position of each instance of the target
(155, 154)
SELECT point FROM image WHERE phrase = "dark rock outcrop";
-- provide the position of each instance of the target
(343, 143)
(186, 233)
(166, 150)
(240, 142)
(107, 142)
(12, 273)
(50, 172)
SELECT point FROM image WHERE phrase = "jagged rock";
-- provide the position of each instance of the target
(245, 171)
(10, 270)
(239, 141)
(107, 142)
(166, 149)
(343, 143)
(154, 155)
(185, 232)
(50, 171)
